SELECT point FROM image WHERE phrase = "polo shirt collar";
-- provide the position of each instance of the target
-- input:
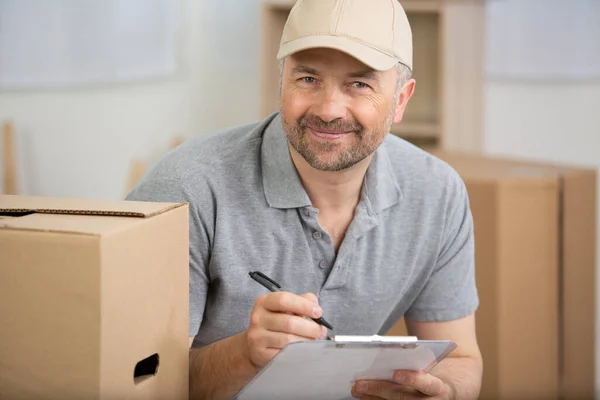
(283, 188)
(380, 188)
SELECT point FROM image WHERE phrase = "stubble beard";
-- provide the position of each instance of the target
(327, 156)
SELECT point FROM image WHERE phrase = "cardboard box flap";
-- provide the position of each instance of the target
(94, 225)
(10, 204)
(479, 167)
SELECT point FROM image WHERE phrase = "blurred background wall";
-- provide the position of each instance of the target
(81, 142)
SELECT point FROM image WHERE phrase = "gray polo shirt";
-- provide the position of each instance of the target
(408, 251)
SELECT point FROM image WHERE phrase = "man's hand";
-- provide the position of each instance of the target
(278, 319)
(407, 385)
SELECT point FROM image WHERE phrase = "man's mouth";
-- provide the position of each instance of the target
(328, 135)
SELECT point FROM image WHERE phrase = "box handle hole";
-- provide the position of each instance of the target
(146, 369)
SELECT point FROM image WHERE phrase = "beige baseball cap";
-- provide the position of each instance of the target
(376, 32)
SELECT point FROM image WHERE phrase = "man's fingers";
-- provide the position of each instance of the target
(377, 390)
(407, 385)
(261, 357)
(422, 382)
(284, 302)
(278, 340)
(278, 319)
(311, 297)
(293, 324)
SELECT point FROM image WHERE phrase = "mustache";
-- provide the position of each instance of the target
(336, 125)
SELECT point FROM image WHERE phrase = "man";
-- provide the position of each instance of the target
(355, 224)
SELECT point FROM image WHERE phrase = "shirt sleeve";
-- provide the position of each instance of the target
(450, 292)
(173, 190)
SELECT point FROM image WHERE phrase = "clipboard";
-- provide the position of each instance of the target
(327, 369)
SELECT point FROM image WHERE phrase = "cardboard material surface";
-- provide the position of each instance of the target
(58, 205)
(535, 244)
(93, 304)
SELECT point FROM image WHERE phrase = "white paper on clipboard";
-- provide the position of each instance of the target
(326, 369)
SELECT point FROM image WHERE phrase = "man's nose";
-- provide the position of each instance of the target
(332, 105)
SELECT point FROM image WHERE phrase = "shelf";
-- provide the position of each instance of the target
(425, 104)
(446, 108)
(421, 6)
(282, 4)
(408, 5)
(417, 129)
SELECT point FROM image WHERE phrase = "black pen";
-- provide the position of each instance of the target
(274, 287)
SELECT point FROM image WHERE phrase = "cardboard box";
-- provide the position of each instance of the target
(535, 244)
(93, 299)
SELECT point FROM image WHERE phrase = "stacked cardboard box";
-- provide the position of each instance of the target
(93, 299)
(535, 234)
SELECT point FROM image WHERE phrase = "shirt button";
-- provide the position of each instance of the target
(317, 235)
(322, 264)
(305, 212)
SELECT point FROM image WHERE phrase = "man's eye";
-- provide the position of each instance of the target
(360, 85)
(308, 79)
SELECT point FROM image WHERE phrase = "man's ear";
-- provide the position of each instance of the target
(405, 95)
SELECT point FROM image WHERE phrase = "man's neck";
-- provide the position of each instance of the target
(330, 191)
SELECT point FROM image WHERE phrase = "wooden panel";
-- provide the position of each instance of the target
(408, 5)
(10, 165)
(425, 105)
(283, 4)
(272, 22)
(484, 207)
(462, 75)
(578, 285)
(421, 5)
(399, 329)
(528, 288)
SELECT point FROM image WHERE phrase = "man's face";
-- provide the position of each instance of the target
(335, 110)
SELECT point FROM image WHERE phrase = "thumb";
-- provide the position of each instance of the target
(310, 297)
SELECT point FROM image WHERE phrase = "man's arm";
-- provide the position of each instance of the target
(457, 377)
(462, 369)
(219, 370)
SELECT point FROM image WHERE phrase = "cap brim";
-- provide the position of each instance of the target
(367, 55)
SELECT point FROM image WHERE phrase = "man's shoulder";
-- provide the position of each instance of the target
(195, 168)
(421, 172)
(216, 152)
